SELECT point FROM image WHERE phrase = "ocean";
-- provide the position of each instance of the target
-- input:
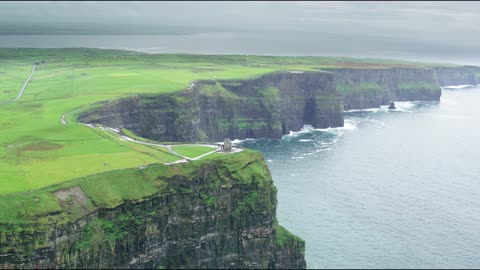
(242, 43)
(391, 189)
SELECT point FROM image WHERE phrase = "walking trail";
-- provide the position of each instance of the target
(22, 90)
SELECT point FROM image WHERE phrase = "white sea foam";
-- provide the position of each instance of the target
(236, 141)
(364, 110)
(334, 141)
(404, 106)
(458, 86)
(305, 140)
(318, 150)
(348, 124)
(270, 160)
(297, 157)
(305, 129)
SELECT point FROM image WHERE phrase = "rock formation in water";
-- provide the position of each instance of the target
(218, 213)
(392, 106)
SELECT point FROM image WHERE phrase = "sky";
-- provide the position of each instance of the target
(433, 30)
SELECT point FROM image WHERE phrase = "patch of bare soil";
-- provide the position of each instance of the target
(72, 199)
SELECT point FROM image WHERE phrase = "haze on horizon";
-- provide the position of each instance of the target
(426, 31)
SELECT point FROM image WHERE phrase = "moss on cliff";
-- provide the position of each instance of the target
(269, 106)
(150, 217)
(370, 88)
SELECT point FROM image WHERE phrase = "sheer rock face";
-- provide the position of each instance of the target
(465, 75)
(220, 214)
(273, 104)
(371, 88)
(266, 107)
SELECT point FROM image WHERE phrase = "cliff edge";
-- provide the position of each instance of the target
(265, 107)
(216, 213)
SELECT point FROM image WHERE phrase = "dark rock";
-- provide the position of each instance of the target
(392, 106)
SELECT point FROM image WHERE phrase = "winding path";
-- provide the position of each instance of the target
(169, 147)
(124, 137)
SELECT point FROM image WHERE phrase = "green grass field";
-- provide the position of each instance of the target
(37, 151)
(192, 151)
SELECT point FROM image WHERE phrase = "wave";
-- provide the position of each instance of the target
(237, 141)
(364, 110)
(305, 129)
(404, 106)
(401, 106)
(349, 124)
(462, 86)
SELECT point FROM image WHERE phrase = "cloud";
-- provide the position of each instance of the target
(443, 26)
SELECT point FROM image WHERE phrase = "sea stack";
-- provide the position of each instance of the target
(392, 106)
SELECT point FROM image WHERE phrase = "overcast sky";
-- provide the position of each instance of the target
(441, 29)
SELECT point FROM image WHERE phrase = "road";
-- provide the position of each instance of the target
(26, 83)
(22, 90)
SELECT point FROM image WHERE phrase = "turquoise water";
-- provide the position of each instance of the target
(392, 189)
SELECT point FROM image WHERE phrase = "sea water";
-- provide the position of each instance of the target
(391, 189)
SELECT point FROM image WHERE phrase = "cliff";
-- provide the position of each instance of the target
(369, 88)
(273, 104)
(462, 75)
(218, 213)
(268, 106)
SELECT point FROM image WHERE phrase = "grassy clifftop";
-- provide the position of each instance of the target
(152, 217)
(37, 150)
(110, 189)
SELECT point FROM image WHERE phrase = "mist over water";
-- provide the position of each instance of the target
(391, 189)
(251, 43)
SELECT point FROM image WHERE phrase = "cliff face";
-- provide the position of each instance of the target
(274, 104)
(370, 88)
(269, 107)
(458, 75)
(217, 213)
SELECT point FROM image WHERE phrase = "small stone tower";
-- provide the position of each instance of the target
(227, 145)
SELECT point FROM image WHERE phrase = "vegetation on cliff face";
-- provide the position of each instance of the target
(36, 150)
(91, 200)
(267, 106)
(370, 88)
(181, 216)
